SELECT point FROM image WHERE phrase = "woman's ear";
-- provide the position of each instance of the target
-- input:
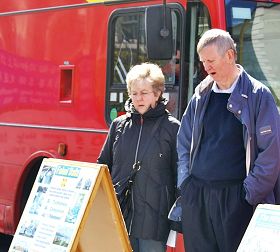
(158, 95)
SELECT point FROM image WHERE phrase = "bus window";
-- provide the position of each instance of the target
(255, 28)
(127, 47)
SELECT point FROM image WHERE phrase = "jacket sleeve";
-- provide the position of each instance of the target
(106, 154)
(184, 139)
(264, 171)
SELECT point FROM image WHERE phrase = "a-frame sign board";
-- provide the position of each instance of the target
(72, 207)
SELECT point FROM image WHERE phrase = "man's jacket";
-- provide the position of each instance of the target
(253, 104)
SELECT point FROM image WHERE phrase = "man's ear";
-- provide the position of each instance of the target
(230, 54)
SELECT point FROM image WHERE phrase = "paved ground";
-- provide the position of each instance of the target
(5, 242)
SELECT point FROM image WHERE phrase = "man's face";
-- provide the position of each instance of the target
(216, 65)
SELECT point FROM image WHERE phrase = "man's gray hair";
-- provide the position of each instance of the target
(220, 38)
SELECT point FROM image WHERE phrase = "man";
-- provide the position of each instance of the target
(228, 148)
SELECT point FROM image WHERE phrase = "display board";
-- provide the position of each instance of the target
(72, 207)
(263, 232)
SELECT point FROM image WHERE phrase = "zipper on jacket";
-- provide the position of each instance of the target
(246, 139)
(135, 160)
(138, 141)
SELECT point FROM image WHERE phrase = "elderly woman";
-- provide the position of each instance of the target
(145, 137)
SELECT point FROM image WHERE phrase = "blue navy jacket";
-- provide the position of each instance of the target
(253, 104)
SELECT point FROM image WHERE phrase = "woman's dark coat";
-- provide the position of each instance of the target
(155, 182)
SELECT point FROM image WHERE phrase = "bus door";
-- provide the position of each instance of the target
(127, 46)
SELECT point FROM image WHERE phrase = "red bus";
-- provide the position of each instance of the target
(63, 65)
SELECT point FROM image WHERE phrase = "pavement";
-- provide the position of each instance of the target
(5, 241)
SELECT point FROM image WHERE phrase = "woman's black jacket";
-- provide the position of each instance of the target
(155, 183)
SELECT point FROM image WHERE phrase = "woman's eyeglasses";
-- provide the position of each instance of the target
(142, 94)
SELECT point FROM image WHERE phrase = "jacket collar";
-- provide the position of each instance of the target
(204, 86)
(246, 85)
(239, 93)
(159, 110)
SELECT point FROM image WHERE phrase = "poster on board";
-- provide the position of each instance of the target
(60, 205)
(263, 232)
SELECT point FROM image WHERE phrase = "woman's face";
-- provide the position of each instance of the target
(143, 96)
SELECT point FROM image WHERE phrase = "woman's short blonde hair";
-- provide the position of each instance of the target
(146, 71)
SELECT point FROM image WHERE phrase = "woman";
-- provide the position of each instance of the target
(133, 139)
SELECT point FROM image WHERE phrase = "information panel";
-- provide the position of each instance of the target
(263, 232)
(72, 207)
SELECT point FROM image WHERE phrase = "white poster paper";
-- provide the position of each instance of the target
(263, 232)
(55, 206)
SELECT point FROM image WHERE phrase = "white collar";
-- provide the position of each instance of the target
(216, 89)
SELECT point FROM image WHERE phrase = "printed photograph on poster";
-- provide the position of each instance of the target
(63, 236)
(28, 228)
(84, 183)
(21, 246)
(38, 200)
(46, 174)
(87, 184)
(73, 211)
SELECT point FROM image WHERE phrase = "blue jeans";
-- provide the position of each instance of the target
(140, 245)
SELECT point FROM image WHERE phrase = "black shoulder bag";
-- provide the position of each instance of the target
(123, 188)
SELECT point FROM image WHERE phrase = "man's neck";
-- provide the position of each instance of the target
(233, 75)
